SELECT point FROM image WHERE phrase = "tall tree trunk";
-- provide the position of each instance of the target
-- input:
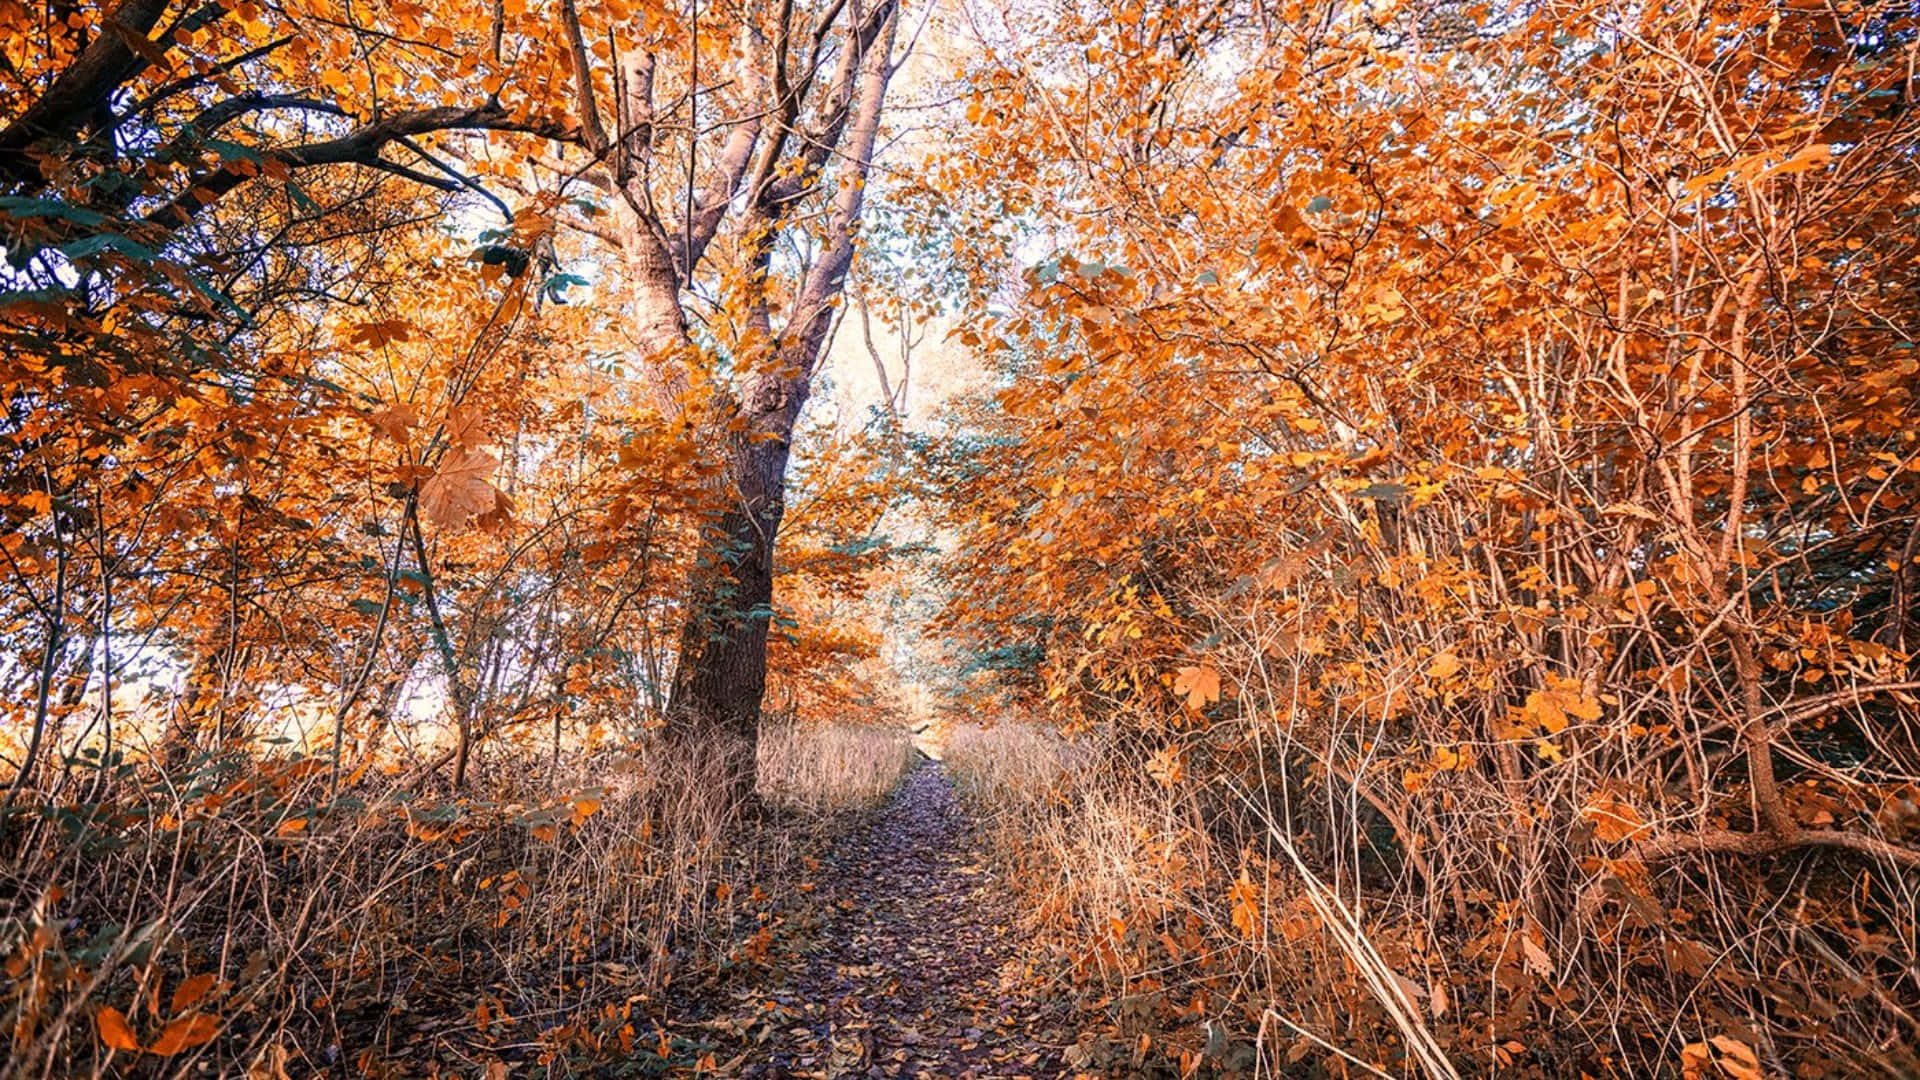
(722, 675)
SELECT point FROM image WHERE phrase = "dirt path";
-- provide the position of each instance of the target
(915, 971)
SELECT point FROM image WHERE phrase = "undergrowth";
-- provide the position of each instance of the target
(235, 916)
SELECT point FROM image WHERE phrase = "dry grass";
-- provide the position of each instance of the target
(1119, 878)
(1146, 886)
(1249, 919)
(822, 769)
(235, 913)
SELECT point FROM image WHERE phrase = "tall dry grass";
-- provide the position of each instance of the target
(1147, 889)
(1107, 864)
(242, 920)
(1253, 914)
(822, 769)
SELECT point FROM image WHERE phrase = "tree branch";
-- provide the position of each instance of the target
(65, 108)
(359, 147)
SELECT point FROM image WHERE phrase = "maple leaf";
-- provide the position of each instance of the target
(376, 334)
(460, 489)
(1200, 685)
(464, 428)
(395, 422)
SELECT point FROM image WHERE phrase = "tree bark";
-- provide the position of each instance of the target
(722, 675)
(795, 133)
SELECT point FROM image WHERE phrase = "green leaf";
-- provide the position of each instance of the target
(22, 207)
(94, 245)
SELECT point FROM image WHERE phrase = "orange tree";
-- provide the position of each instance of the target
(721, 151)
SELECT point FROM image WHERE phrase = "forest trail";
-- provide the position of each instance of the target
(916, 971)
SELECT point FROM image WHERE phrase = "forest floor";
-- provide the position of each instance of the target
(909, 966)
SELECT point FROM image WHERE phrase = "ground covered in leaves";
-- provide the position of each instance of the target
(906, 963)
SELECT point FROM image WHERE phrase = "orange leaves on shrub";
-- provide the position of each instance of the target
(584, 807)
(1244, 896)
(1442, 759)
(1561, 700)
(1722, 1056)
(1614, 820)
(1167, 766)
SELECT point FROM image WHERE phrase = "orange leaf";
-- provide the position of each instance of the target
(189, 993)
(1613, 820)
(1736, 1058)
(1199, 685)
(1167, 767)
(1245, 896)
(459, 490)
(464, 429)
(394, 422)
(186, 1033)
(1563, 699)
(114, 1030)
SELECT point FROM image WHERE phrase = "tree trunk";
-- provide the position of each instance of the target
(722, 673)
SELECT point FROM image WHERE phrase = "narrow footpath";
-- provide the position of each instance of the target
(916, 970)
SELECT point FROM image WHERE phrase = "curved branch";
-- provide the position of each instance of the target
(359, 147)
(1727, 841)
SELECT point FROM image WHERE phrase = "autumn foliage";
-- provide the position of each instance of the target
(351, 534)
(1461, 461)
(1427, 582)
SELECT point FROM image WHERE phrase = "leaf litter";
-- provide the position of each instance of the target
(905, 962)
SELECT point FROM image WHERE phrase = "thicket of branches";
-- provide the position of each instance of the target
(1465, 460)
